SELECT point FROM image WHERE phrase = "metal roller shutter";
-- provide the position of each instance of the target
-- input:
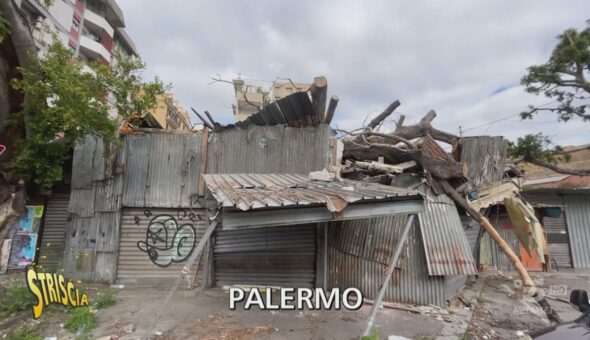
(53, 237)
(273, 256)
(156, 243)
(558, 240)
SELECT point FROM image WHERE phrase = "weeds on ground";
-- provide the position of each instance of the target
(373, 336)
(481, 299)
(24, 334)
(466, 336)
(17, 297)
(450, 311)
(104, 300)
(26, 331)
(81, 321)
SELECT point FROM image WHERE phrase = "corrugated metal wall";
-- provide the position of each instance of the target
(358, 253)
(273, 256)
(558, 240)
(151, 252)
(577, 212)
(539, 200)
(485, 157)
(270, 149)
(161, 170)
(490, 254)
(93, 232)
(472, 230)
(54, 233)
(447, 248)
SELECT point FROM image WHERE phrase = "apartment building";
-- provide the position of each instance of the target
(252, 96)
(91, 28)
(168, 114)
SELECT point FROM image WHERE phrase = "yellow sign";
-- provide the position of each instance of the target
(38, 212)
(53, 288)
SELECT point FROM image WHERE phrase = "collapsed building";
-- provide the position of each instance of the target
(136, 215)
(280, 199)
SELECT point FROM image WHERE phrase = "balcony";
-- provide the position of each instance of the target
(97, 23)
(94, 49)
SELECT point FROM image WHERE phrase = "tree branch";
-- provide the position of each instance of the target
(575, 172)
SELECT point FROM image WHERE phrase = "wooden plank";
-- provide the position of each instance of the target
(203, 160)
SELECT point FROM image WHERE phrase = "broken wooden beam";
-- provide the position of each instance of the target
(331, 109)
(205, 122)
(391, 169)
(319, 94)
(210, 117)
(504, 247)
(407, 165)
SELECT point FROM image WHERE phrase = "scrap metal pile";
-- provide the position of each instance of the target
(375, 156)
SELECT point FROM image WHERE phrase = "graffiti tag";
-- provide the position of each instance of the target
(167, 242)
(2, 149)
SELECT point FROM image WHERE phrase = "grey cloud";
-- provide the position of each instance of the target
(449, 56)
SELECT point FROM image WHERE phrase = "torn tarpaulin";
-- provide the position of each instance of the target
(527, 226)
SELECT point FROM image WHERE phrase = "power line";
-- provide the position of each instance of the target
(502, 119)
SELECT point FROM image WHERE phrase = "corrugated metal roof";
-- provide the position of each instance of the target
(431, 148)
(294, 110)
(253, 191)
(545, 180)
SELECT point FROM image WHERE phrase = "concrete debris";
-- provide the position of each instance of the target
(324, 176)
(397, 337)
(127, 329)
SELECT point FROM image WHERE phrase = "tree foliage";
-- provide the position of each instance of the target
(4, 27)
(562, 78)
(132, 97)
(64, 103)
(537, 147)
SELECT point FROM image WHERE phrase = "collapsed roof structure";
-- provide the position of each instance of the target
(282, 199)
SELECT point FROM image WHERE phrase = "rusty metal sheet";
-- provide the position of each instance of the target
(445, 244)
(359, 250)
(254, 191)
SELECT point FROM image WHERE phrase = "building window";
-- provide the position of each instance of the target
(173, 115)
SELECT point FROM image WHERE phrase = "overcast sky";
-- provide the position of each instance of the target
(463, 59)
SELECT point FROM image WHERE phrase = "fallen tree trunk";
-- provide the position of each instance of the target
(391, 169)
(331, 109)
(436, 167)
(319, 94)
(386, 113)
(423, 128)
(504, 247)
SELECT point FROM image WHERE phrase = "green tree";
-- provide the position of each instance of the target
(4, 27)
(132, 96)
(562, 78)
(65, 103)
